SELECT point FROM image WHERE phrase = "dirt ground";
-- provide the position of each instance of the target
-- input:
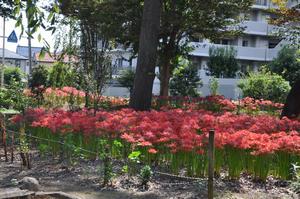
(83, 179)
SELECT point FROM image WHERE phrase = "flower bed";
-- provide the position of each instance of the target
(259, 145)
(249, 137)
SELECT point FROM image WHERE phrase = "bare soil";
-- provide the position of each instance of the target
(83, 179)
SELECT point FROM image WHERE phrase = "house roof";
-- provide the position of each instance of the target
(23, 50)
(11, 55)
(52, 58)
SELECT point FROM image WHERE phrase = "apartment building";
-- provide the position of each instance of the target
(257, 46)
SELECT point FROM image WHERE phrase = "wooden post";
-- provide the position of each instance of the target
(12, 146)
(4, 138)
(211, 157)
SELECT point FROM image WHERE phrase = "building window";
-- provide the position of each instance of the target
(18, 63)
(261, 2)
(272, 44)
(225, 41)
(245, 43)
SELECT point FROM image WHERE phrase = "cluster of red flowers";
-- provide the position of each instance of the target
(61, 96)
(251, 104)
(218, 104)
(175, 129)
(214, 103)
(63, 92)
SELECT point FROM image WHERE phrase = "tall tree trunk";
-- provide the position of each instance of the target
(167, 54)
(291, 108)
(145, 72)
(165, 75)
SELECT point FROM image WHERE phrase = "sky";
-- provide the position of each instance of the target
(10, 26)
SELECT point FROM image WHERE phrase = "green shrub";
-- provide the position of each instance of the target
(12, 73)
(185, 80)
(13, 97)
(222, 62)
(287, 64)
(265, 85)
(126, 79)
(38, 77)
(61, 75)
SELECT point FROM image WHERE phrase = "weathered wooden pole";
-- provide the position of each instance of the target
(211, 160)
(12, 146)
(3, 131)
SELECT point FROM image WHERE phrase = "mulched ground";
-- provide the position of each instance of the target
(83, 179)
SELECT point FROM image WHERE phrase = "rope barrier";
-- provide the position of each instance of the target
(54, 141)
(193, 179)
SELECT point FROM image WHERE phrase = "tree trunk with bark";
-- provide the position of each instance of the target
(167, 54)
(165, 75)
(145, 72)
(291, 108)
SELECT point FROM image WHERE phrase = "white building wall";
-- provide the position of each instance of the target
(257, 33)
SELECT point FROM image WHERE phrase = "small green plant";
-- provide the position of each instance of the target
(108, 173)
(296, 173)
(213, 86)
(146, 174)
(125, 169)
(133, 161)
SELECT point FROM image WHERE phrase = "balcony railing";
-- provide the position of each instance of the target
(243, 53)
(261, 2)
(258, 28)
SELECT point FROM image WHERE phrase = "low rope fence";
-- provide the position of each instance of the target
(191, 180)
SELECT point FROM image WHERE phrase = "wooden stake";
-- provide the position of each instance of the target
(12, 146)
(211, 157)
(4, 138)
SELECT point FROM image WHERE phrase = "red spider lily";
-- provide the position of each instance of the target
(176, 129)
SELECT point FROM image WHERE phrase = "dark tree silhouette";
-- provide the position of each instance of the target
(292, 105)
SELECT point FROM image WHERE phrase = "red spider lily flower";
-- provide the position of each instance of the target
(152, 151)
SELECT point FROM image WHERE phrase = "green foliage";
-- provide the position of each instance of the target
(287, 64)
(12, 74)
(222, 62)
(180, 21)
(5, 99)
(61, 75)
(296, 172)
(38, 77)
(6, 8)
(126, 79)
(213, 86)
(146, 174)
(185, 80)
(133, 160)
(13, 97)
(265, 85)
(134, 156)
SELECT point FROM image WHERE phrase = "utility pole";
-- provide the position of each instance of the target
(3, 54)
(29, 40)
(29, 51)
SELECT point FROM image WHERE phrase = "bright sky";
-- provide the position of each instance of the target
(10, 26)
